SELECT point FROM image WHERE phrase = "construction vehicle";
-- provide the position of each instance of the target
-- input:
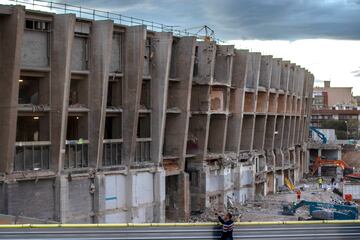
(333, 163)
(324, 211)
(320, 135)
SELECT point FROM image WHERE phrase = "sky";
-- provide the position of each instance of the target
(320, 35)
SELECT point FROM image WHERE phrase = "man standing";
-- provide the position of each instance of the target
(228, 226)
(320, 182)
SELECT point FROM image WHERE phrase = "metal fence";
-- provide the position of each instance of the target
(112, 152)
(76, 154)
(142, 152)
(32, 155)
(94, 14)
(243, 230)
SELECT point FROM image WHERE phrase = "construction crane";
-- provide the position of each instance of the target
(204, 32)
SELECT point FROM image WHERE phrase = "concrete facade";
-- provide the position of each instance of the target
(109, 123)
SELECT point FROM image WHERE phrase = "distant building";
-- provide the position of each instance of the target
(328, 97)
(357, 99)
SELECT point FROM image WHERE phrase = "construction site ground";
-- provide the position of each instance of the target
(269, 208)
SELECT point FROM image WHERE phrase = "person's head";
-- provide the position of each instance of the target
(228, 216)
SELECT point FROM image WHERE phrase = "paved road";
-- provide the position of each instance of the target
(293, 232)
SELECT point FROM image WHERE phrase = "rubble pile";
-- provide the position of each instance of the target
(269, 208)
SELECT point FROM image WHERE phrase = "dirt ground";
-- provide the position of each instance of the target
(352, 158)
(270, 207)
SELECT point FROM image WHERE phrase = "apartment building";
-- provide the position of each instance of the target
(103, 122)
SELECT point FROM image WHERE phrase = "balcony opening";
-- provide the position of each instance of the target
(114, 96)
(78, 96)
(196, 62)
(32, 148)
(145, 100)
(148, 55)
(112, 141)
(33, 91)
(76, 154)
(142, 153)
(174, 59)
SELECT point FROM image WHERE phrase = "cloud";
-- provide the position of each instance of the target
(356, 72)
(247, 19)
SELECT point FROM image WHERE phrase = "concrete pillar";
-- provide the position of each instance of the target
(159, 196)
(204, 62)
(247, 136)
(61, 198)
(275, 73)
(134, 63)
(131, 202)
(100, 54)
(265, 71)
(223, 64)
(12, 28)
(99, 198)
(159, 86)
(253, 70)
(184, 202)
(285, 72)
(183, 63)
(63, 35)
(235, 120)
(240, 65)
(259, 132)
(269, 132)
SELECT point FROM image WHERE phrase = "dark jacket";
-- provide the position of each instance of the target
(227, 229)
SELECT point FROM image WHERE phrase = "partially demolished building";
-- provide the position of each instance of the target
(102, 122)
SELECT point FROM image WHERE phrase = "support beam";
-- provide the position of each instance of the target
(133, 75)
(159, 88)
(100, 53)
(12, 28)
(63, 31)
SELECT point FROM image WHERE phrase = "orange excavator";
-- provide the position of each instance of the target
(335, 163)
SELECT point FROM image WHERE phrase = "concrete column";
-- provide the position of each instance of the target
(235, 120)
(100, 53)
(259, 132)
(63, 35)
(159, 86)
(265, 71)
(61, 198)
(285, 73)
(99, 198)
(184, 201)
(12, 28)
(269, 132)
(247, 136)
(159, 196)
(275, 73)
(223, 64)
(204, 62)
(183, 57)
(134, 63)
(253, 70)
(240, 65)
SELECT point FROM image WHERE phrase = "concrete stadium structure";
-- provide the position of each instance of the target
(101, 122)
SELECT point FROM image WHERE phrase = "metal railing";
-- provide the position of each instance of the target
(89, 13)
(32, 155)
(142, 151)
(76, 154)
(321, 229)
(112, 152)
